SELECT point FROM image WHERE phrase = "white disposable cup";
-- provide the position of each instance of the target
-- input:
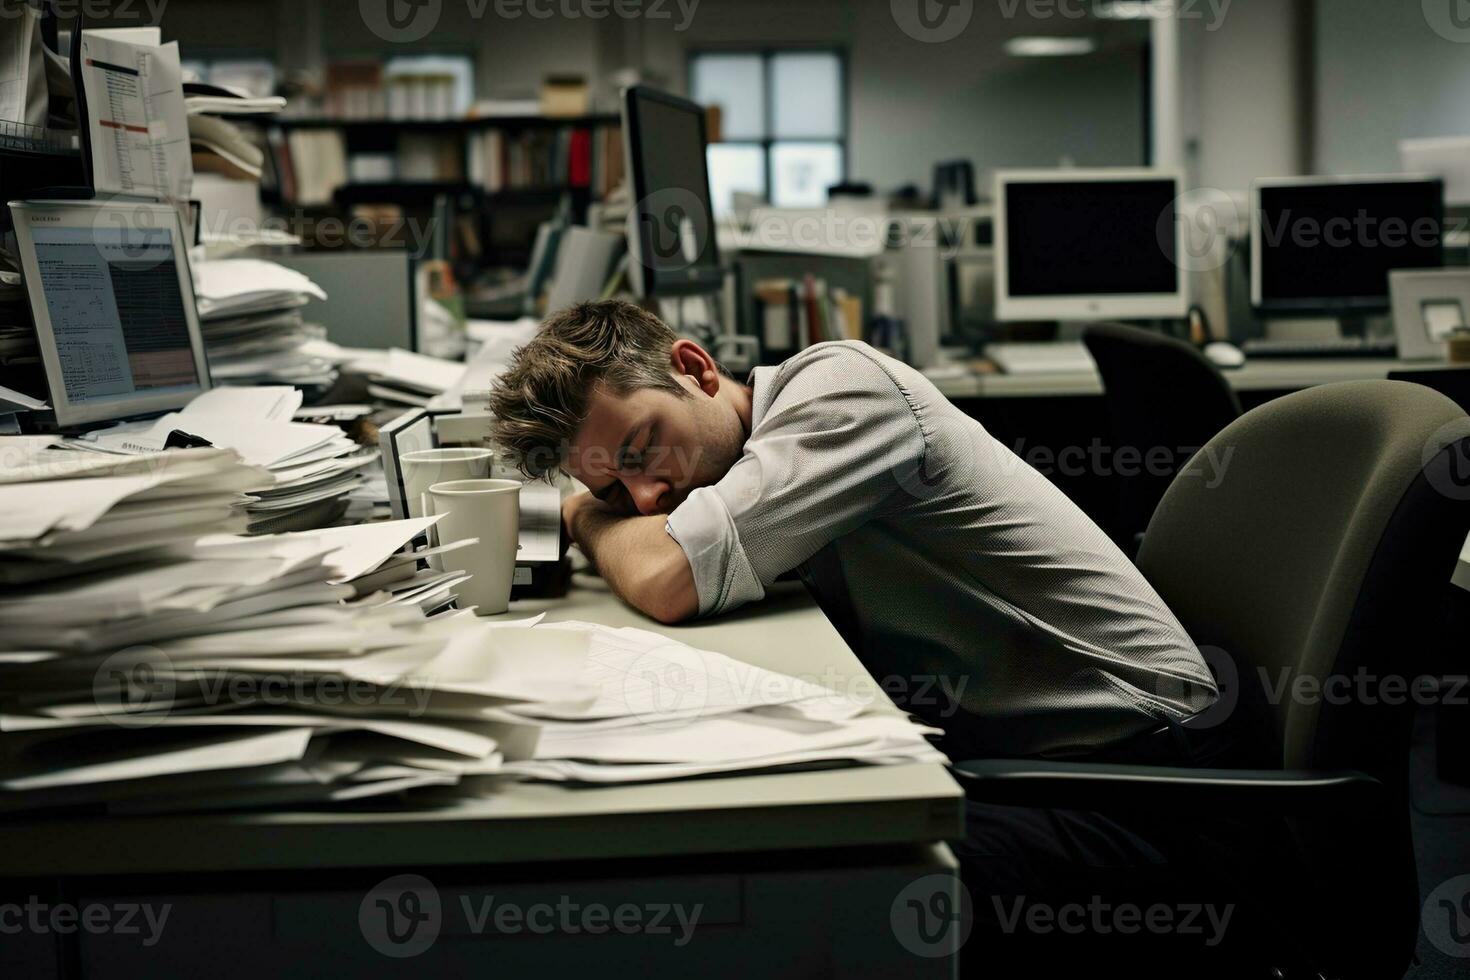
(489, 510)
(426, 467)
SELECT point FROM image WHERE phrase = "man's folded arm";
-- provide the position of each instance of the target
(636, 557)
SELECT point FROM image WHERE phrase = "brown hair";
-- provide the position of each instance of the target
(541, 401)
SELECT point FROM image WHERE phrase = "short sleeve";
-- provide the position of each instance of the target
(837, 443)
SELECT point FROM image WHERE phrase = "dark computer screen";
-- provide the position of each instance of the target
(1330, 246)
(675, 221)
(1090, 238)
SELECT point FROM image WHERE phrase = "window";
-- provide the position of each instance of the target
(784, 121)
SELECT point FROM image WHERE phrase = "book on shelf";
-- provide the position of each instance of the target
(567, 156)
(796, 313)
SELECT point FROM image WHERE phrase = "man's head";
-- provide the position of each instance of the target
(609, 393)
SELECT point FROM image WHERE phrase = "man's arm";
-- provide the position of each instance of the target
(635, 555)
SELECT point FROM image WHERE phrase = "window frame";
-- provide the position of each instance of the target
(768, 139)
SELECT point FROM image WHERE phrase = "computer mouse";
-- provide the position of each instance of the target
(1224, 355)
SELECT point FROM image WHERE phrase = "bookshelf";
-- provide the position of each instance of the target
(317, 155)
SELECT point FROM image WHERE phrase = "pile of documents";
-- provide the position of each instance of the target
(309, 469)
(665, 710)
(402, 377)
(234, 672)
(250, 312)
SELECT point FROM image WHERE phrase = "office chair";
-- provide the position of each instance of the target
(1320, 554)
(1161, 393)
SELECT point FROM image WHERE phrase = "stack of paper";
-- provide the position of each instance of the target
(311, 468)
(405, 378)
(64, 512)
(665, 710)
(247, 672)
(254, 331)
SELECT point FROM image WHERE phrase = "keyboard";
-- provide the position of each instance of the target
(1330, 347)
(1041, 357)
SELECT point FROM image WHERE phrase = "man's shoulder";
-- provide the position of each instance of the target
(845, 363)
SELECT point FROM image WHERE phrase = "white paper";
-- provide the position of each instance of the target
(139, 125)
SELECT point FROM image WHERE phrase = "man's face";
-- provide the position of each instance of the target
(644, 452)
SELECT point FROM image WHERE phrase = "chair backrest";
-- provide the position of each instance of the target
(1318, 561)
(1162, 395)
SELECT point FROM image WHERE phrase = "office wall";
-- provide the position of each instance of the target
(912, 103)
(1384, 73)
(1245, 82)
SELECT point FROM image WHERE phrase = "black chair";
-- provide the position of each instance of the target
(1162, 396)
(1321, 554)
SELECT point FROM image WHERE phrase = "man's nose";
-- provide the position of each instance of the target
(648, 495)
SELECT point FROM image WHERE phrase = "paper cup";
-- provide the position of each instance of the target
(489, 510)
(426, 467)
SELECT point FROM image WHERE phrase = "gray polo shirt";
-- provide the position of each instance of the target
(971, 588)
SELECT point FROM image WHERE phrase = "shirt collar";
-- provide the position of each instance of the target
(761, 392)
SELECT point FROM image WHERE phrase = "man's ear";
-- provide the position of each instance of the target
(694, 362)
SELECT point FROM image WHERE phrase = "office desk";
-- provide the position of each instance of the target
(799, 869)
(1274, 374)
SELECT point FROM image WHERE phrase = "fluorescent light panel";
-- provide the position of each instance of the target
(1049, 47)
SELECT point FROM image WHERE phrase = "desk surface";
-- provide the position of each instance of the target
(1257, 375)
(507, 822)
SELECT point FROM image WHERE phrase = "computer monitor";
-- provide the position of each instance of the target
(1087, 244)
(114, 308)
(1445, 157)
(1325, 245)
(954, 185)
(671, 226)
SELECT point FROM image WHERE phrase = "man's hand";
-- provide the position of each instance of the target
(635, 555)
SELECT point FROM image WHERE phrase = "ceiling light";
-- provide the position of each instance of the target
(1133, 9)
(1049, 47)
